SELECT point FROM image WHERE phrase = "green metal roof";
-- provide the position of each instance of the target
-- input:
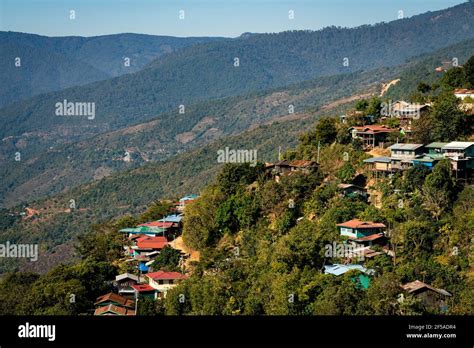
(435, 145)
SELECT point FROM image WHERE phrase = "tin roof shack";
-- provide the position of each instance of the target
(114, 299)
(362, 278)
(461, 154)
(372, 136)
(184, 201)
(352, 191)
(435, 148)
(286, 167)
(433, 299)
(114, 310)
(380, 165)
(406, 113)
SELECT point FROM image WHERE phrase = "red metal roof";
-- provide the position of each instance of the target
(166, 275)
(372, 129)
(143, 288)
(113, 310)
(356, 223)
(369, 238)
(114, 298)
(152, 242)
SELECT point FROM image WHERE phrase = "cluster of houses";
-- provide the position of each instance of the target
(142, 246)
(403, 156)
(368, 239)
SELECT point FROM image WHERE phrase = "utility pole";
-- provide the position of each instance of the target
(279, 153)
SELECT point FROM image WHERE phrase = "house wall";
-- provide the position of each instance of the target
(366, 232)
(382, 166)
(167, 284)
(349, 232)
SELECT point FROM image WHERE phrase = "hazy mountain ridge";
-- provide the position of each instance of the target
(207, 71)
(54, 63)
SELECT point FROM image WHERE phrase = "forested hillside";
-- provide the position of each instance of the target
(54, 63)
(53, 171)
(232, 67)
(263, 242)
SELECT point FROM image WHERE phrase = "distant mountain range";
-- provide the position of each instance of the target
(127, 189)
(53, 63)
(230, 67)
(242, 103)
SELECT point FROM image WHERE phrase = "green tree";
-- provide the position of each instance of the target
(439, 189)
(326, 131)
(453, 78)
(167, 260)
(469, 72)
(448, 122)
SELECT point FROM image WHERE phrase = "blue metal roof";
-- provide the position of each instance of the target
(378, 159)
(338, 269)
(189, 197)
(143, 267)
(172, 218)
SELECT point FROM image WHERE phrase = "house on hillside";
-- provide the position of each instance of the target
(431, 297)
(285, 167)
(145, 291)
(143, 230)
(124, 282)
(372, 136)
(402, 155)
(435, 148)
(114, 310)
(112, 299)
(366, 233)
(427, 160)
(461, 154)
(463, 93)
(381, 165)
(185, 200)
(407, 111)
(352, 191)
(363, 279)
(163, 281)
(357, 118)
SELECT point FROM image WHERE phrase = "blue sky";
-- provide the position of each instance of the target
(202, 17)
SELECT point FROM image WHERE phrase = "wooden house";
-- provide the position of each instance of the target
(124, 282)
(431, 297)
(163, 281)
(372, 135)
(363, 232)
(113, 299)
(114, 310)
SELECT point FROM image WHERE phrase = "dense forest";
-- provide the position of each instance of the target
(262, 241)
